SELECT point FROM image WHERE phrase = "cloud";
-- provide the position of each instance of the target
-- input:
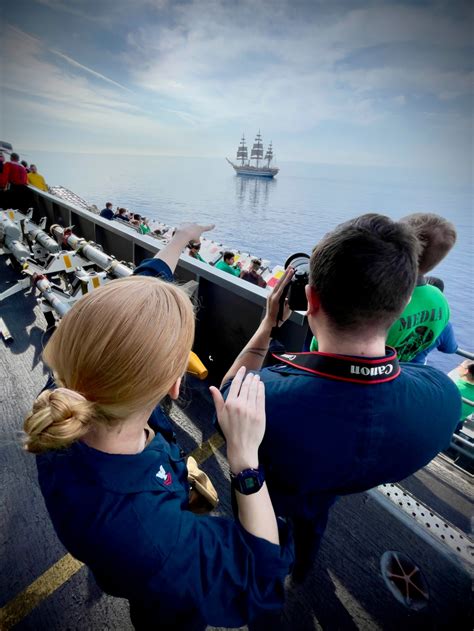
(320, 77)
(98, 75)
(40, 84)
(231, 62)
(38, 45)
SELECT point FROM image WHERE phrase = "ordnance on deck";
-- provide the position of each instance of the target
(94, 253)
(91, 251)
(40, 253)
(11, 239)
(53, 297)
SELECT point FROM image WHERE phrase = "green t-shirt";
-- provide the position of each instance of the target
(222, 265)
(467, 391)
(420, 324)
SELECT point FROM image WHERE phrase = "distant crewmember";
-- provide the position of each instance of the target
(35, 179)
(465, 385)
(226, 264)
(3, 173)
(193, 250)
(3, 183)
(17, 179)
(122, 215)
(135, 221)
(144, 227)
(252, 275)
(16, 172)
(427, 314)
(349, 417)
(24, 163)
(107, 212)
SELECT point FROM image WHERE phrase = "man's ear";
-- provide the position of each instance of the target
(174, 390)
(314, 302)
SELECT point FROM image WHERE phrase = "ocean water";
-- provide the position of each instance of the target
(275, 218)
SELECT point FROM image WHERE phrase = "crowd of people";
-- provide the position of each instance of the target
(142, 224)
(226, 263)
(301, 432)
(15, 177)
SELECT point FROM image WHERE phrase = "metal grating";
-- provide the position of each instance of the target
(457, 541)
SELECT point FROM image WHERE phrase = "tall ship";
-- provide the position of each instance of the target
(259, 169)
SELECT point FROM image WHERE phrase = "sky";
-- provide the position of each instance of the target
(384, 83)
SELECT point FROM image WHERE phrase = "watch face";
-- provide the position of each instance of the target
(250, 483)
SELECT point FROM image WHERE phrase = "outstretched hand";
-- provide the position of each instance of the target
(274, 298)
(242, 419)
(192, 231)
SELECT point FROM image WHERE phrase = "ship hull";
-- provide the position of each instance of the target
(267, 172)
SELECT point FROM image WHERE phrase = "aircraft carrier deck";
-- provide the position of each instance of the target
(427, 518)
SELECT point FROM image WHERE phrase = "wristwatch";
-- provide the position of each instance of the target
(248, 481)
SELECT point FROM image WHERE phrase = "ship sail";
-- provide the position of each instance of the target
(242, 150)
(269, 154)
(257, 149)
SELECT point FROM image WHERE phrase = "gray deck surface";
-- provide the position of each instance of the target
(345, 590)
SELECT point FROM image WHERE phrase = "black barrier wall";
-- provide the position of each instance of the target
(228, 309)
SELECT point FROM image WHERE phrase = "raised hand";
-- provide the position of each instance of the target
(273, 300)
(242, 419)
(192, 231)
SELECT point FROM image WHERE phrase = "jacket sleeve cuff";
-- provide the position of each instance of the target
(272, 560)
(154, 267)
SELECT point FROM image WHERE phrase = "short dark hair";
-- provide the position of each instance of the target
(24, 163)
(106, 205)
(121, 211)
(14, 156)
(364, 272)
(436, 236)
(470, 369)
(228, 255)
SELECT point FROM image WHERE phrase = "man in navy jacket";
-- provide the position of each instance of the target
(347, 417)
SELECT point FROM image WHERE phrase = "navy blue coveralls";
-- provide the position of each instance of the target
(126, 517)
(325, 438)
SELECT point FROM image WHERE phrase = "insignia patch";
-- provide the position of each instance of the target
(165, 476)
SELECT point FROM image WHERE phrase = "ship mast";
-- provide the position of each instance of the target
(269, 154)
(257, 149)
(242, 151)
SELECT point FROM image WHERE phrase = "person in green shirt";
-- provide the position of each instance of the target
(226, 264)
(427, 314)
(465, 385)
(193, 251)
(144, 228)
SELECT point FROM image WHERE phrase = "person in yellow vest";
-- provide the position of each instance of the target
(35, 179)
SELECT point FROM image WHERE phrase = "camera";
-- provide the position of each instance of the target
(295, 290)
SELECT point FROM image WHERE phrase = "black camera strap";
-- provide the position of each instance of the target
(345, 368)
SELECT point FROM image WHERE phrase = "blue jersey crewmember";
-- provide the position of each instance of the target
(114, 480)
(347, 417)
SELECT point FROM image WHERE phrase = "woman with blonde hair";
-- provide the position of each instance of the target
(114, 479)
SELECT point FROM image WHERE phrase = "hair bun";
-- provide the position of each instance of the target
(59, 417)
